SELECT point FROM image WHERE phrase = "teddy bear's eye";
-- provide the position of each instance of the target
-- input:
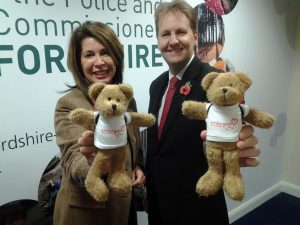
(118, 100)
(109, 98)
(230, 85)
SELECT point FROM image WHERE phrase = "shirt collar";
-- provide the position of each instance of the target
(180, 74)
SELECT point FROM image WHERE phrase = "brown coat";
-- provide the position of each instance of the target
(73, 204)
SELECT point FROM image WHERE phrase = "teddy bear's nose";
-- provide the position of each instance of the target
(225, 90)
(114, 106)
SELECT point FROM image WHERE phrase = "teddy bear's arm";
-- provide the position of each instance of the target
(194, 110)
(81, 116)
(260, 119)
(142, 119)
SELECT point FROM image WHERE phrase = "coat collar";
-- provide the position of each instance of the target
(175, 109)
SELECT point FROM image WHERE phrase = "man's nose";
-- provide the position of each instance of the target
(173, 39)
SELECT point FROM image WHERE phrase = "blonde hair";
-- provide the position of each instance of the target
(176, 7)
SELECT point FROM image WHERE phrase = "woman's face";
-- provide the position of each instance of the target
(97, 65)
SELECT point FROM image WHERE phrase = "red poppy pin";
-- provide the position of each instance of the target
(185, 89)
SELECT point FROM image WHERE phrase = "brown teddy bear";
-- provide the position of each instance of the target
(110, 119)
(224, 117)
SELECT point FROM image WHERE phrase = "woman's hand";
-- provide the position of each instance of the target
(247, 146)
(89, 150)
(138, 177)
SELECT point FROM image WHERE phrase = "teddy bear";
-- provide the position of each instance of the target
(224, 117)
(109, 118)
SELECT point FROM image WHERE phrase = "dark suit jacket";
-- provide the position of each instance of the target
(176, 161)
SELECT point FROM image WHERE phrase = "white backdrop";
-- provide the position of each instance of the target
(33, 68)
(33, 47)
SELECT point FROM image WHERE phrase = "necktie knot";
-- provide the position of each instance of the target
(173, 82)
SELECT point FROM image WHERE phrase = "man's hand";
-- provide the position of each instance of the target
(247, 146)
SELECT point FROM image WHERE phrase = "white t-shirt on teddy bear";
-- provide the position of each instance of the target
(111, 132)
(224, 122)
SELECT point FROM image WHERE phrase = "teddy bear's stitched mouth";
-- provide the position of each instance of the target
(224, 97)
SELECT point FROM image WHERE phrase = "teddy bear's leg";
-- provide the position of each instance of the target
(211, 182)
(93, 182)
(118, 177)
(233, 183)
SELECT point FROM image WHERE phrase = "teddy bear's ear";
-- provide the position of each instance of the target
(127, 90)
(245, 79)
(208, 79)
(95, 89)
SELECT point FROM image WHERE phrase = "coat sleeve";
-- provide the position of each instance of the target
(73, 162)
(134, 139)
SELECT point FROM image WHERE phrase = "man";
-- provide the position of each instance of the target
(175, 155)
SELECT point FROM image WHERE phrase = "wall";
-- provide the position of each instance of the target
(261, 48)
(292, 156)
(34, 37)
(259, 41)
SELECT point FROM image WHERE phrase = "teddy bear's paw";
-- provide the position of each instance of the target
(151, 120)
(186, 106)
(147, 120)
(120, 181)
(97, 190)
(78, 116)
(209, 184)
(268, 121)
(194, 110)
(260, 119)
(234, 187)
(142, 119)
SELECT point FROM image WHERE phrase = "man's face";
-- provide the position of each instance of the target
(176, 40)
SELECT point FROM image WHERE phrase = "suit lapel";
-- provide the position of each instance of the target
(160, 90)
(156, 96)
(178, 99)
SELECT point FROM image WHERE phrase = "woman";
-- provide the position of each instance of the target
(95, 55)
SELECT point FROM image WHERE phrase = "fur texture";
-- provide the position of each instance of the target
(224, 89)
(111, 101)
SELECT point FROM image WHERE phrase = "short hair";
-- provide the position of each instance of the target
(106, 36)
(176, 7)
